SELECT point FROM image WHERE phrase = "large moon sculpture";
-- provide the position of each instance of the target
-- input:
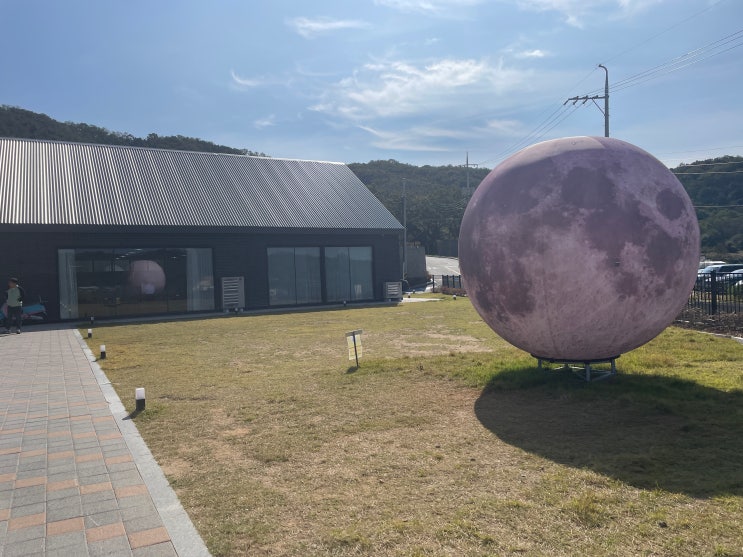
(579, 249)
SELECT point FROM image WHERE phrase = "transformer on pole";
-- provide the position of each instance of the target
(594, 98)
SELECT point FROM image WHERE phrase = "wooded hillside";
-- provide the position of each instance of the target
(21, 123)
(716, 189)
(436, 195)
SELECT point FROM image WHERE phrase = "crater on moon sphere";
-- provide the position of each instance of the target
(579, 248)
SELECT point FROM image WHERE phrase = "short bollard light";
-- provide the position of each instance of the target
(92, 320)
(103, 351)
(90, 333)
(139, 397)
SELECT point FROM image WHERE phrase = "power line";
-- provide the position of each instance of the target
(710, 172)
(703, 150)
(680, 62)
(666, 30)
(558, 115)
(710, 163)
(715, 48)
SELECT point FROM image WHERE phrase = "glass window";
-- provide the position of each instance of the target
(135, 281)
(360, 261)
(348, 274)
(307, 275)
(337, 275)
(199, 279)
(281, 287)
(294, 276)
(68, 305)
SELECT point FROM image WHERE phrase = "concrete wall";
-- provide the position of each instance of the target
(416, 265)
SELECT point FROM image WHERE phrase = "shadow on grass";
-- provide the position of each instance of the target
(647, 431)
(133, 414)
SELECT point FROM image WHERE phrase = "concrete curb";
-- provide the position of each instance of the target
(186, 540)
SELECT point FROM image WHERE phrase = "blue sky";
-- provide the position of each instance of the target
(419, 81)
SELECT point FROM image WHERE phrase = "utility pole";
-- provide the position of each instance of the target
(606, 101)
(467, 165)
(404, 232)
(594, 98)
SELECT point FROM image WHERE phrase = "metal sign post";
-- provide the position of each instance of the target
(354, 345)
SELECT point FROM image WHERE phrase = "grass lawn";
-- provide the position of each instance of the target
(445, 441)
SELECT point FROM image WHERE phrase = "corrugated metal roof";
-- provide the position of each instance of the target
(50, 182)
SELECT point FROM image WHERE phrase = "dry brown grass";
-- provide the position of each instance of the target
(277, 447)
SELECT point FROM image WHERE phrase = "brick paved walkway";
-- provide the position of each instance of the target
(75, 477)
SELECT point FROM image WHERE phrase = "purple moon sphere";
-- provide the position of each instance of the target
(579, 249)
(146, 277)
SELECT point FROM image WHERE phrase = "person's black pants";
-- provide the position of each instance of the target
(15, 315)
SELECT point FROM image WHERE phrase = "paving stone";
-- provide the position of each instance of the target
(29, 495)
(125, 478)
(26, 548)
(24, 534)
(103, 519)
(131, 513)
(93, 468)
(62, 494)
(62, 480)
(27, 510)
(148, 537)
(64, 512)
(95, 506)
(135, 501)
(66, 545)
(144, 521)
(158, 550)
(59, 527)
(112, 547)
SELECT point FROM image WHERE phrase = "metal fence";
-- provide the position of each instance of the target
(449, 281)
(713, 293)
(716, 293)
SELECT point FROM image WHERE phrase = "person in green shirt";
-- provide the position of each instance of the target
(14, 297)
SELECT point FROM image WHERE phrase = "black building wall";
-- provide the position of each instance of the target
(30, 253)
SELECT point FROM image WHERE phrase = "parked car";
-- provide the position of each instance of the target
(731, 279)
(722, 271)
(707, 263)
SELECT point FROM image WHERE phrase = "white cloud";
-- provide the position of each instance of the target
(535, 53)
(266, 122)
(398, 88)
(504, 127)
(576, 12)
(245, 82)
(310, 28)
(430, 7)
(415, 139)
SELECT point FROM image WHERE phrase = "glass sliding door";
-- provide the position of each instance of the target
(360, 263)
(199, 279)
(348, 274)
(307, 275)
(68, 305)
(281, 288)
(294, 276)
(337, 275)
(109, 282)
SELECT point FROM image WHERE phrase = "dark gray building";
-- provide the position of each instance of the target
(98, 230)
